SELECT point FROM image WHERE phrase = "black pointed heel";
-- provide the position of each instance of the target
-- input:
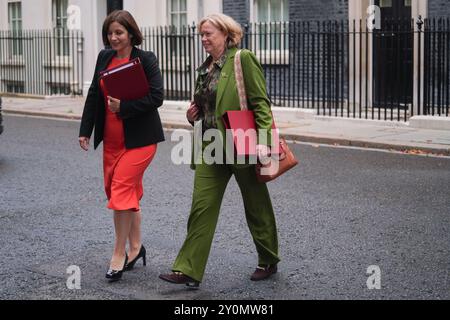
(142, 254)
(115, 275)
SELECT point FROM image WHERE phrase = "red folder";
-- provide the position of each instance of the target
(126, 81)
(245, 136)
(244, 120)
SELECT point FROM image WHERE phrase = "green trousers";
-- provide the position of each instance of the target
(209, 187)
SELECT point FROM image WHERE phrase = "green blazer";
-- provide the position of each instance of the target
(255, 85)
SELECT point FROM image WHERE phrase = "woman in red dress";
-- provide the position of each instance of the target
(130, 131)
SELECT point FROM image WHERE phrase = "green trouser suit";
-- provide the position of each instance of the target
(209, 187)
(211, 180)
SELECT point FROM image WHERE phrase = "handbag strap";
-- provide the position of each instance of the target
(239, 75)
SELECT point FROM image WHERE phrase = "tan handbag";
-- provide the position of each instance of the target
(279, 163)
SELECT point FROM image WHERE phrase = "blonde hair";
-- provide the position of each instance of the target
(227, 25)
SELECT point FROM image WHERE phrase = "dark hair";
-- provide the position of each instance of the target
(124, 18)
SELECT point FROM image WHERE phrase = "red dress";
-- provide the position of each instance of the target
(123, 168)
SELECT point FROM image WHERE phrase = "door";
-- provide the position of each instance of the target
(112, 5)
(393, 55)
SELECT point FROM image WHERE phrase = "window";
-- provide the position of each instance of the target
(178, 22)
(408, 3)
(178, 13)
(112, 5)
(271, 10)
(271, 30)
(59, 16)
(56, 88)
(15, 25)
(385, 3)
(15, 87)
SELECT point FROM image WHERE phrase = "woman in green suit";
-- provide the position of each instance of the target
(216, 94)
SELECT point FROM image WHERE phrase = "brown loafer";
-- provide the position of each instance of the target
(263, 272)
(180, 278)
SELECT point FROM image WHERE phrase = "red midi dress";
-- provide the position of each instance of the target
(123, 168)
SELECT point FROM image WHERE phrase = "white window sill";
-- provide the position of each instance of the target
(17, 61)
(58, 62)
(273, 57)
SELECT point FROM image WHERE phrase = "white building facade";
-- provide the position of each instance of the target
(339, 65)
(88, 16)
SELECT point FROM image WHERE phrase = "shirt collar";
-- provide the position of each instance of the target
(219, 63)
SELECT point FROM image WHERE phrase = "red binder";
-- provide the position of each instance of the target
(244, 121)
(126, 81)
(245, 136)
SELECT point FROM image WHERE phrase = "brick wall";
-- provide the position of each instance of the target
(285, 79)
(318, 9)
(238, 9)
(281, 79)
(439, 8)
(298, 9)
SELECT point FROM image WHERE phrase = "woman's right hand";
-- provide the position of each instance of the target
(84, 143)
(193, 113)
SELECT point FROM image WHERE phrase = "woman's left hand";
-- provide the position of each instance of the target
(263, 153)
(114, 104)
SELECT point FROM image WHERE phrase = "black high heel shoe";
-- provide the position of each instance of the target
(115, 275)
(142, 254)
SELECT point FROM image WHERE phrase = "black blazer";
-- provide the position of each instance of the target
(141, 121)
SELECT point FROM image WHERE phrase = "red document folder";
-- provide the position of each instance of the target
(244, 120)
(126, 81)
(245, 136)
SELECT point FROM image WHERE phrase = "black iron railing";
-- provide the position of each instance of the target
(179, 53)
(437, 67)
(41, 62)
(339, 68)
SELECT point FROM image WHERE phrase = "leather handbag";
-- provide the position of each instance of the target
(278, 164)
(282, 159)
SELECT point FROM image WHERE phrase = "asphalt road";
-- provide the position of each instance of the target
(339, 212)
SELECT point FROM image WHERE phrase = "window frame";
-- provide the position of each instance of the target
(388, 4)
(59, 25)
(15, 86)
(268, 55)
(176, 32)
(171, 12)
(15, 26)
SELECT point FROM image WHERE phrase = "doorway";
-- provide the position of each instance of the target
(393, 55)
(112, 5)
